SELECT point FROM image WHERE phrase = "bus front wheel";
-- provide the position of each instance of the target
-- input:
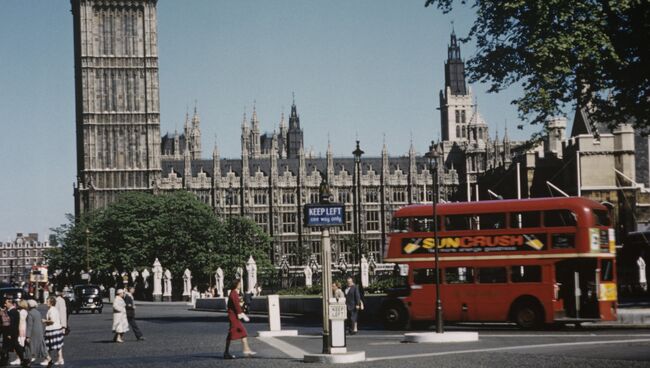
(394, 316)
(528, 315)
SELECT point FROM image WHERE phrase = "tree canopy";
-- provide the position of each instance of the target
(177, 228)
(565, 53)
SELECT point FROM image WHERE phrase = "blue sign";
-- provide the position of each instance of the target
(325, 214)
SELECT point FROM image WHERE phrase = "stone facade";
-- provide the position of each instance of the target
(117, 102)
(19, 255)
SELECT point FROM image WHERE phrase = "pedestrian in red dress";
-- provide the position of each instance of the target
(236, 330)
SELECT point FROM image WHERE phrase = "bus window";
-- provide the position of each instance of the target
(423, 224)
(399, 225)
(526, 274)
(492, 221)
(457, 222)
(563, 241)
(423, 276)
(607, 270)
(528, 219)
(492, 275)
(459, 275)
(559, 218)
(601, 218)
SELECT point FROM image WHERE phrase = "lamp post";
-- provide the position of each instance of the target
(357, 196)
(87, 250)
(432, 156)
(230, 219)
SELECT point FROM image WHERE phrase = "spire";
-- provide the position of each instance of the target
(330, 159)
(274, 157)
(187, 169)
(455, 68)
(216, 165)
(384, 158)
(283, 123)
(244, 123)
(254, 116)
(186, 125)
(505, 135)
(215, 150)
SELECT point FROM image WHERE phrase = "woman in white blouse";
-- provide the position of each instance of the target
(53, 330)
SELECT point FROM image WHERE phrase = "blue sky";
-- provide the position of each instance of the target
(364, 67)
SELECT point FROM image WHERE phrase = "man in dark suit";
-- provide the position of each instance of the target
(353, 303)
(130, 312)
(10, 321)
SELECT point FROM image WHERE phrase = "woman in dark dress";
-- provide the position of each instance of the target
(236, 330)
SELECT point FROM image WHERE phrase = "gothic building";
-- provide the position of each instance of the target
(119, 147)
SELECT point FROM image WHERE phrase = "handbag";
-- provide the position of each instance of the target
(67, 331)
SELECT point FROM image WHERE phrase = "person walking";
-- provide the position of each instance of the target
(35, 348)
(353, 303)
(120, 322)
(22, 330)
(10, 332)
(53, 330)
(130, 312)
(236, 331)
(337, 293)
(62, 307)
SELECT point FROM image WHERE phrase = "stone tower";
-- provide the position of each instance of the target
(117, 102)
(456, 98)
(294, 134)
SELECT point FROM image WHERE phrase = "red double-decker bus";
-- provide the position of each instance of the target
(530, 261)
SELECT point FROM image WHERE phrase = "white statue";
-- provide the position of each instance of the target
(218, 282)
(157, 280)
(364, 272)
(145, 278)
(643, 282)
(167, 292)
(134, 275)
(251, 273)
(308, 274)
(187, 283)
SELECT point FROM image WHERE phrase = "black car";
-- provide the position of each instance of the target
(15, 293)
(87, 297)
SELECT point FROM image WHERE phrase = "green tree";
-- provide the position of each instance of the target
(177, 228)
(565, 53)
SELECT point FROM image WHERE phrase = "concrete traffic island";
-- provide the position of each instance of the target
(336, 358)
(434, 337)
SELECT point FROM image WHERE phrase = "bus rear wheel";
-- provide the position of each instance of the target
(528, 315)
(394, 317)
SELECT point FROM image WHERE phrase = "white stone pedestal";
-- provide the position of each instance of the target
(275, 326)
(349, 357)
(433, 337)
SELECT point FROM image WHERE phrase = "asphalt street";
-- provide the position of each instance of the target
(179, 337)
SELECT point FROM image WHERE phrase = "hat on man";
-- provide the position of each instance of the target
(32, 303)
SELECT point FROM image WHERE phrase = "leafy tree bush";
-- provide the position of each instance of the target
(177, 228)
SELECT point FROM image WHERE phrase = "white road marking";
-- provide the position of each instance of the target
(291, 350)
(505, 348)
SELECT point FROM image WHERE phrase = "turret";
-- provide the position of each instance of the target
(255, 135)
(187, 169)
(294, 134)
(195, 136)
